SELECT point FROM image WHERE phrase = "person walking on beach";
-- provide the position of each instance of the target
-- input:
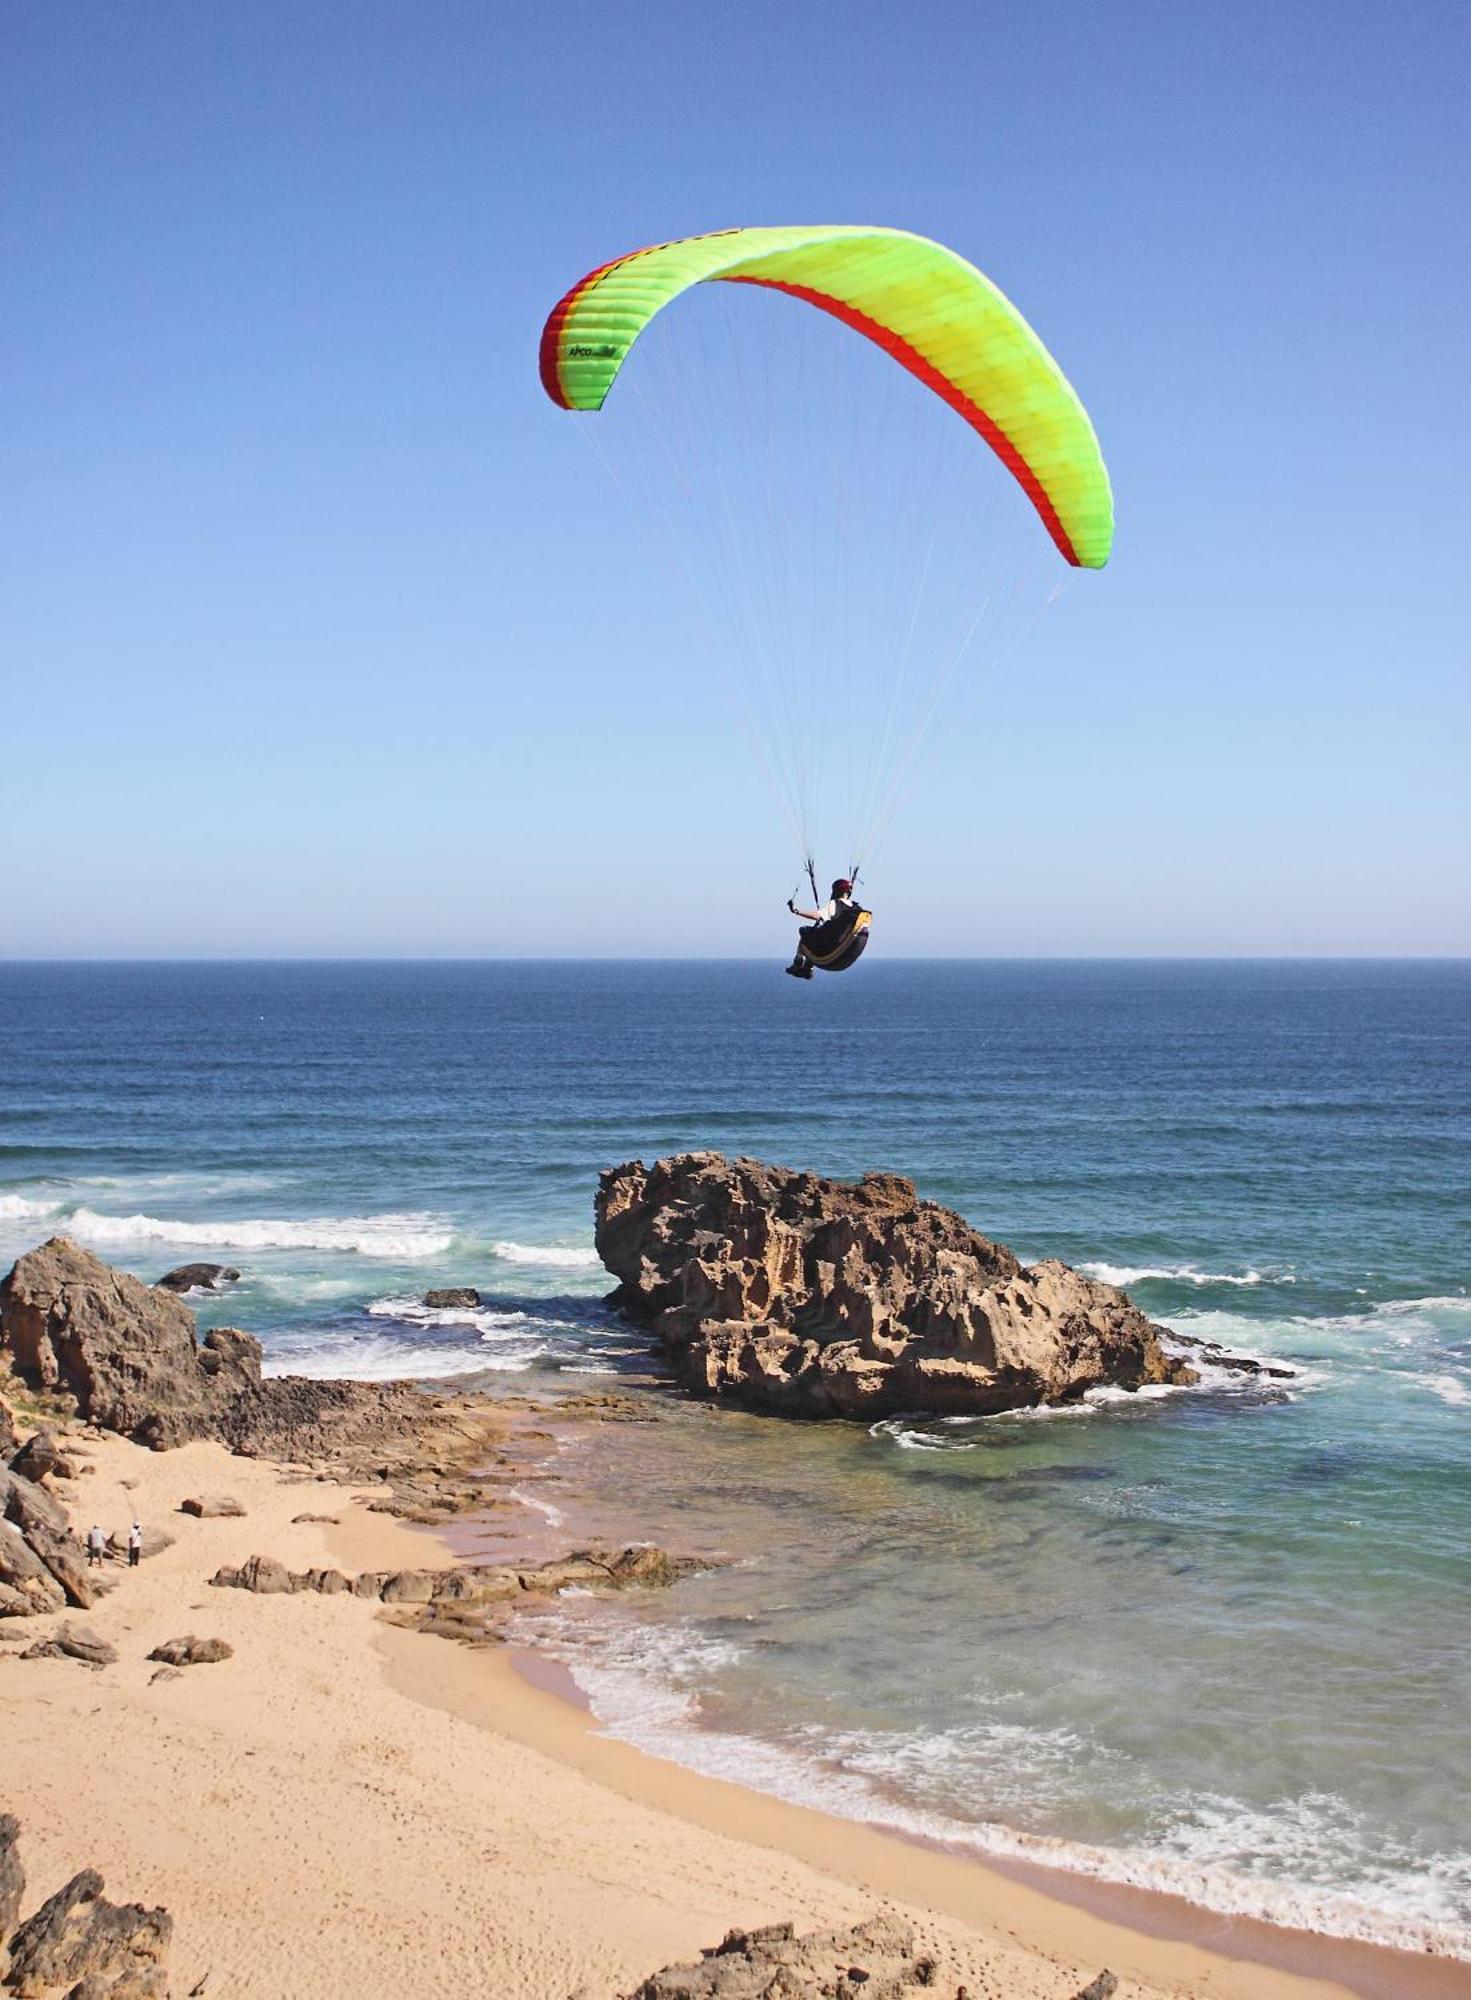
(96, 1546)
(135, 1545)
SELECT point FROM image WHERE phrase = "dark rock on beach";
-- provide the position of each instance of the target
(877, 1960)
(74, 1642)
(212, 1507)
(192, 1652)
(820, 1298)
(457, 1295)
(12, 1875)
(198, 1278)
(80, 1945)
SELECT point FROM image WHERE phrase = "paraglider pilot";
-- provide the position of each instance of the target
(822, 928)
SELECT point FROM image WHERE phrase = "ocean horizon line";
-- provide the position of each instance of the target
(742, 958)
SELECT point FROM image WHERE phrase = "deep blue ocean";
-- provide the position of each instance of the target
(1215, 1640)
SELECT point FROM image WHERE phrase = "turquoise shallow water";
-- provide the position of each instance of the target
(1216, 1640)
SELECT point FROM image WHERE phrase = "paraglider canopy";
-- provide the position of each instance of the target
(936, 314)
(836, 561)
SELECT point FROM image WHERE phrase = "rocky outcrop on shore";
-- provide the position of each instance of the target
(821, 1298)
(465, 1602)
(42, 1564)
(125, 1352)
(77, 1944)
(877, 1960)
(129, 1358)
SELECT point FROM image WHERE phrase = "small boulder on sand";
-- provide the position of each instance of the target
(192, 1652)
(262, 1574)
(74, 1642)
(211, 1506)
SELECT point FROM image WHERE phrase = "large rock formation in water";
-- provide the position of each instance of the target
(819, 1298)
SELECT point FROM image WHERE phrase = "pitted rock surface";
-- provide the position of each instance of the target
(876, 1960)
(80, 1945)
(126, 1352)
(820, 1298)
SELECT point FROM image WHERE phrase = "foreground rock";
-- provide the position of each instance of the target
(81, 1946)
(818, 1298)
(197, 1278)
(877, 1960)
(455, 1295)
(12, 1875)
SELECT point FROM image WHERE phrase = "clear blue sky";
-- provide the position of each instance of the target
(318, 633)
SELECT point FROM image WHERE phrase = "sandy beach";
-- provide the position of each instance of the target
(348, 1808)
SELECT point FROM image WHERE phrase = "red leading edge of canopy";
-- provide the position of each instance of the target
(911, 358)
(550, 358)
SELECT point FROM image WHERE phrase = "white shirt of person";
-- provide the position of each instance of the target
(832, 906)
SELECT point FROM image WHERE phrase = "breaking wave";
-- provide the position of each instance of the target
(562, 1256)
(406, 1237)
(1175, 1274)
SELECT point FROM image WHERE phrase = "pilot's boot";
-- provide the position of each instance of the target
(799, 968)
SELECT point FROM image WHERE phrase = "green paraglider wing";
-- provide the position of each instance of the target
(938, 316)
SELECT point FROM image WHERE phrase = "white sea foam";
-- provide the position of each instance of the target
(1450, 1389)
(553, 1516)
(25, 1208)
(406, 1238)
(382, 1360)
(484, 1319)
(1179, 1274)
(917, 1432)
(507, 1340)
(1451, 1302)
(1328, 1874)
(566, 1256)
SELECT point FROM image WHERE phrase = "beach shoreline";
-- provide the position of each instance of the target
(462, 1823)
